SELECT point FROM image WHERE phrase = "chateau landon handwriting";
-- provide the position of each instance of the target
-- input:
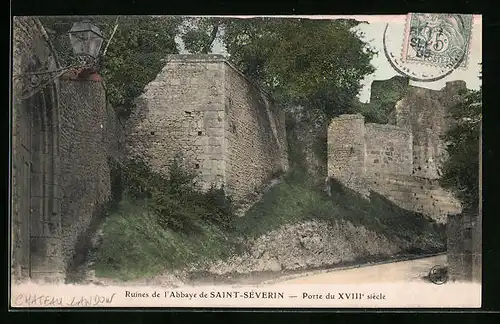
(40, 300)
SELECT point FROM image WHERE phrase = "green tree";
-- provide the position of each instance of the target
(314, 63)
(384, 97)
(199, 34)
(134, 56)
(461, 169)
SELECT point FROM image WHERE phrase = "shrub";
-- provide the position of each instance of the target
(175, 199)
(135, 246)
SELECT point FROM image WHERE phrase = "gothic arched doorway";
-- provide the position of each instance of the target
(38, 202)
(36, 216)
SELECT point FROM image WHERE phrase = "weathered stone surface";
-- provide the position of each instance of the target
(461, 256)
(388, 149)
(62, 136)
(400, 162)
(221, 124)
(426, 113)
(87, 140)
(346, 152)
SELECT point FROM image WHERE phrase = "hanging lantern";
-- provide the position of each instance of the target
(86, 39)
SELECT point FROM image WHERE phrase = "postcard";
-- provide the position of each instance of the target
(246, 161)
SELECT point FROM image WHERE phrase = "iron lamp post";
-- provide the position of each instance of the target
(86, 40)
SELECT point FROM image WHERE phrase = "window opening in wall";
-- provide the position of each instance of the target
(228, 105)
(200, 133)
(152, 133)
(196, 166)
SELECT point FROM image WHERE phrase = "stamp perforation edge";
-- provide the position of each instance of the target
(404, 49)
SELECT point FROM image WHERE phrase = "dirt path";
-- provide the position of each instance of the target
(404, 271)
(398, 271)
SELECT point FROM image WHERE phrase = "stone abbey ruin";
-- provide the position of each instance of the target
(400, 161)
(202, 110)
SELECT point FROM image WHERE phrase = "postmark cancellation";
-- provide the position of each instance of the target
(439, 40)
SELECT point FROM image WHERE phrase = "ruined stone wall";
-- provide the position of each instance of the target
(347, 151)
(400, 162)
(182, 112)
(87, 137)
(459, 246)
(62, 135)
(422, 195)
(425, 113)
(388, 150)
(221, 124)
(376, 157)
(255, 135)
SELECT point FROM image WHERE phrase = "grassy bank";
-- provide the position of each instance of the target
(296, 199)
(136, 245)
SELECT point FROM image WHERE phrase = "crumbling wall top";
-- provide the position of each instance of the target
(215, 58)
(349, 116)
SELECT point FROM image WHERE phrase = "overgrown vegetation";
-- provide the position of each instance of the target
(165, 223)
(316, 63)
(384, 96)
(175, 199)
(135, 245)
(461, 169)
(162, 222)
(297, 199)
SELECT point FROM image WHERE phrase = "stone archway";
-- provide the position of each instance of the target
(36, 219)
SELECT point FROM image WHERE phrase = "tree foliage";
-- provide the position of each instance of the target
(461, 170)
(199, 34)
(384, 97)
(315, 63)
(318, 63)
(134, 56)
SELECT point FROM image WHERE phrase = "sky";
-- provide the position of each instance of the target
(374, 31)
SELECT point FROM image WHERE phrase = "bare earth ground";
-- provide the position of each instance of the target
(404, 271)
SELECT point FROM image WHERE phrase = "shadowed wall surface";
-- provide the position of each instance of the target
(62, 135)
(402, 161)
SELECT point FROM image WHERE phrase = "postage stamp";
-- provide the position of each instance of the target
(437, 39)
(430, 47)
(222, 162)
